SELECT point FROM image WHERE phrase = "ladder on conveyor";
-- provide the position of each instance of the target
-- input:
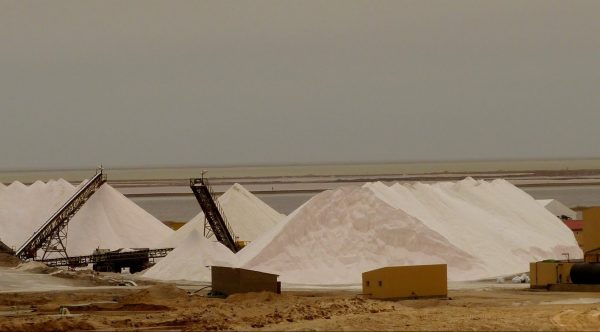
(213, 214)
(51, 236)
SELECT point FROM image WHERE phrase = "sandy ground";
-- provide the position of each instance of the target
(154, 307)
(31, 297)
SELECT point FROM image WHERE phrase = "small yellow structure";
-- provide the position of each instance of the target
(229, 280)
(591, 232)
(546, 273)
(579, 238)
(396, 282)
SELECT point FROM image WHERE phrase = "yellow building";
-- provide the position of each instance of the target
(396, 282)
(576, 226)
(229, 280)
(546, 273)
(591, 232)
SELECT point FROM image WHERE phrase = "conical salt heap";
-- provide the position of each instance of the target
(192, 259)
(107, 220)
(23, 209)
(248, 216)
(341, 233)
(486, 219)
(111, 220)
(480, 229)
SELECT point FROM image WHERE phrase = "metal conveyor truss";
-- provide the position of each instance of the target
(51, 236)
(213, 213)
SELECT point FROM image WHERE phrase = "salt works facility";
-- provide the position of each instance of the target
(381, 241)
(479, 229)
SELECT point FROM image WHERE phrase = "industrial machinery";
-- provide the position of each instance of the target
(214, 222)
(104, 260)
(51, 238)
(52, 235)
(571, 275)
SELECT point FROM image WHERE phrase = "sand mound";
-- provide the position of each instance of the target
(260, 297)
(8, 260)
(156, 293)
(35, 267)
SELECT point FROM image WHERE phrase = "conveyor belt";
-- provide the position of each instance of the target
(212, 213)
(112, 256)
(51, 235)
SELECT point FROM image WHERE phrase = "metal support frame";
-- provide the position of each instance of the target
(111, 256)
(52, 235)
(214, 218)
(56, 243)
(208, 232)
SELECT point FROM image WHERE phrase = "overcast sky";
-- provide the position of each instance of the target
(167, 83)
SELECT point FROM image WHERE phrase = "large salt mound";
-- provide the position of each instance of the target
(24, 209)
(191, 260)
(339, 234)
(107, 220)
(480, 229)
(110, 220)
(248, 216)
(495, 221)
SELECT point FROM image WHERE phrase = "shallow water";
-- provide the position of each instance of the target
(184, 208)
(571, 196)
(7, 176)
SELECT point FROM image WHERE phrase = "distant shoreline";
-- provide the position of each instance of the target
(332, 170)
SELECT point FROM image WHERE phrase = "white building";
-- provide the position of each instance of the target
(557, 208)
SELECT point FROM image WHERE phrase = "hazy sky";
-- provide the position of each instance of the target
(149, 83)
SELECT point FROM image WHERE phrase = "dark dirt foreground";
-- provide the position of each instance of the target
(170, 308)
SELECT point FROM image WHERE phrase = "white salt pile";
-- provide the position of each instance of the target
(480, 229)
(494, 220)
(192, 259)
(340, 234)
(248, 216)
(24, 209)
(107, 220)
(110, 220)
